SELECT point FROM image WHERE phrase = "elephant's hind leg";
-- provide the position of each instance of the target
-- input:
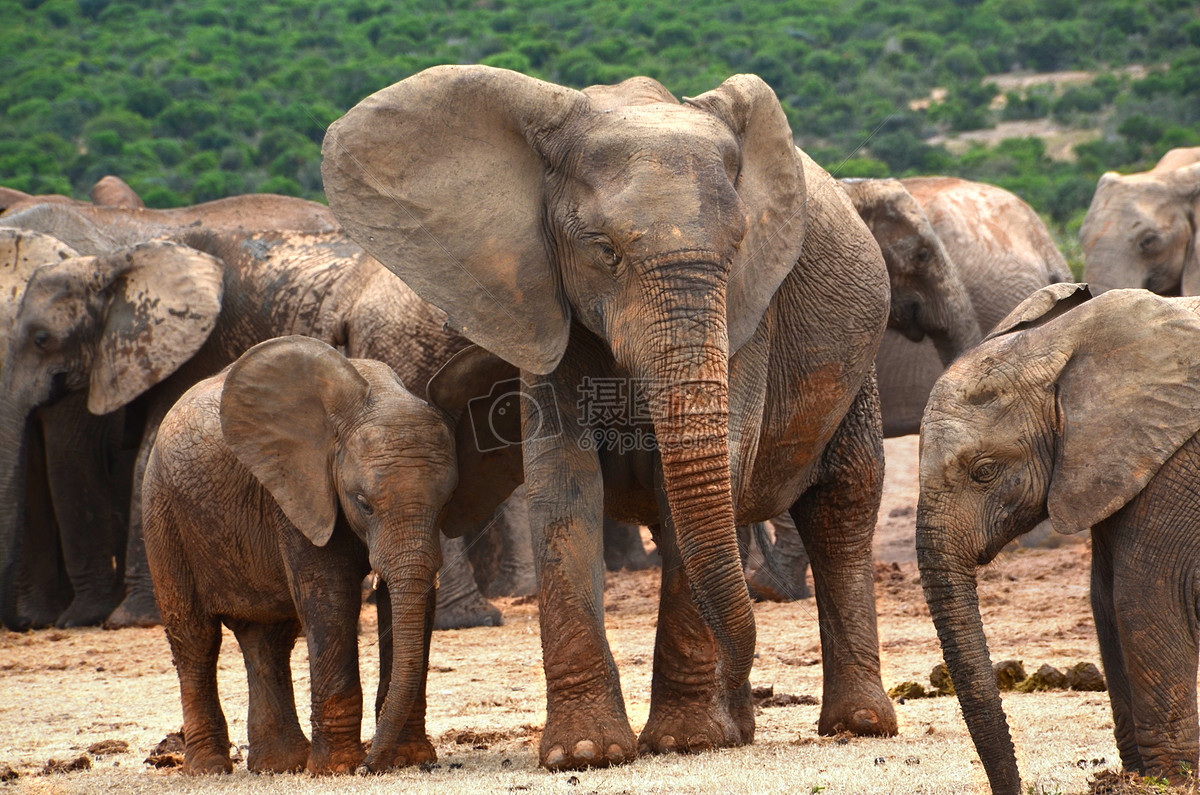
(836, 519)
(1111, 654)
(277, 744)
(689, 710)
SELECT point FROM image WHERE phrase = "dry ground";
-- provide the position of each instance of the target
(63, 691)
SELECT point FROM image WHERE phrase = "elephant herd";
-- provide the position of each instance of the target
(646, 311)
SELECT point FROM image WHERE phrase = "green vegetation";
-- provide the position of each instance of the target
(192, 101)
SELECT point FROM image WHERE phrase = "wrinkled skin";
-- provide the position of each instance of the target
(1002, 251)
(251, 524)
(1141, 231)
(618, 234)
(256, 286)
(1021, 428)
(76, 478)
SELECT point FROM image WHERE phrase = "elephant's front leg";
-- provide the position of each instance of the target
(586, 724)
(325, 583)
(836, 519)
(1111, 654)
(689, 710)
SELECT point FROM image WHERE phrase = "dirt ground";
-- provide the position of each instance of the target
(63, 692)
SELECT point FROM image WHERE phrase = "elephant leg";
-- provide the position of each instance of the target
(518, 573)
(689, 711)
(623, 548)
(1112, 656)
(783, 575)
(586, 722)
(836, 519)
(43, 587)
(139, 608)
(1158, 634)
(459, 602)
(277, 745)
(413, 747)
(325, 584)
(90, 501)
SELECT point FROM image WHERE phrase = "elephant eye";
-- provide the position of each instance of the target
(41, 338)
(610, 255)
(363, 504)
(1149, 242)
(984, 470)
(923, 254)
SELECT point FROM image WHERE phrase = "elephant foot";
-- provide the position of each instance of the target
(33, 619)
(277, 755)
(85, 612)
(138, 610)
(345, 759)
(207, 761)
(724, 719)
(472, 612)
(405, 754)
(589, 738)
(864, 711)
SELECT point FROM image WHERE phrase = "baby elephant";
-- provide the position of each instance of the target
(272, 489)
(1085, 410)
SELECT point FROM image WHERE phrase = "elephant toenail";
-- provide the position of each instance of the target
(666, 744)
(615, 753)
(585, 750)
(866, 717)
(555, 757)
(699, 742)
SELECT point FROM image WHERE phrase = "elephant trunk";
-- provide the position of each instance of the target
(410, 577)
(14, 441)
(961, 330)
(948, 578)
(688, 398)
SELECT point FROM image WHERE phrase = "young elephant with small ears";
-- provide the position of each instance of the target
(1085, 410)
(271, 490)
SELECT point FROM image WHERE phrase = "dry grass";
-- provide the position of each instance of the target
(61, 692)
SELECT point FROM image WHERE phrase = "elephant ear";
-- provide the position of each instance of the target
(439, 178)
(771, 186)
(1186, 182)
(467, 388)
(21, 253)
(163, 301)
(1042, 306)
(63, 223)
(1127, 398)
(280, 409)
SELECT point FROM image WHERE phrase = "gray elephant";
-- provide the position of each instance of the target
(1141, 230)
(72, 579)
(146, 322)
(643, 261)
(108, 191)
(1085, 411)
(1002, 251)
(271, 490)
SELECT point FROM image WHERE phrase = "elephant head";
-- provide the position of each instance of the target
(533, 214)
(112, 326)
(1141, 230)
(1066, 409)
(115, 192)
(928, 295)
(21, 253)
(322, 432)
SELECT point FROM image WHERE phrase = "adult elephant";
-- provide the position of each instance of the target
(1002, 251)
(72, 581)
(1141, 230)
(109, 191)
(695, 308)
(148, 321)
(1084, 411)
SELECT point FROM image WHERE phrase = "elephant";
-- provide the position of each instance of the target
(1140, 229)
(76, 580)
(271, 490)
(1002, 251)
(138, 325)
(109, 191)
(694, 307)
(1083, 410)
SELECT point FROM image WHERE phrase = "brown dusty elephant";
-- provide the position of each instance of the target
(1085, 411)
(73, 578)
(1141, 230)
(143, 323)
(271, 490)
(108, 191)
(695, 307)
(1003, 252)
